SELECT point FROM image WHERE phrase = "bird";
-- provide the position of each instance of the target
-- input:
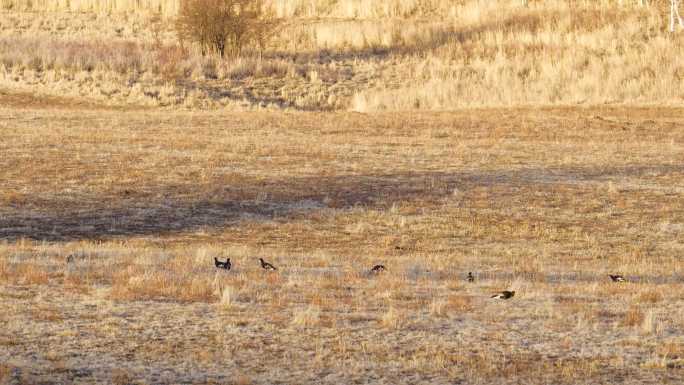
(70, 258)
(617, 278)
(504, 294)
(265, 265)
(471, 278)
(377, 269)
(222, 265)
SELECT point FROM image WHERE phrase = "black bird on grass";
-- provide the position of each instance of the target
(222, 265)
(378, 269)
(470, 277)
(265, 265)
(504, 294)
(617, 278)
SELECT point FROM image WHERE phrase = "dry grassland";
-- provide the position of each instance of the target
(546, 202)
(128, 163)
(357, 55)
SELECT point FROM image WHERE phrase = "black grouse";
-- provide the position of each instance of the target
(378, 269)
(265, 265)
(617, 278)
(222, 265)
(504, 294)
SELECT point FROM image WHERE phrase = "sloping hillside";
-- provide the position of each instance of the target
(365, 56)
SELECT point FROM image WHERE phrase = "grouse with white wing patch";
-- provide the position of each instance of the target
(222, 265)
(504, 294)
(617, 278)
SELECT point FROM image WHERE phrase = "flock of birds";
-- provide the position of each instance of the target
(227, 265)
(377, 269)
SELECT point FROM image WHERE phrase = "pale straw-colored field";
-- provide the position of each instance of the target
(539, 147)
(544, 202)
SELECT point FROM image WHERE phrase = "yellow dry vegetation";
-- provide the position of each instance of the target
(111, 219)
(165, 7)
(535, 144)
(360, 56)
(350, 9)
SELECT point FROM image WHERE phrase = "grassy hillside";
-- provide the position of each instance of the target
(284, 8)
(355, 9)
(166, 7)
(364, 56)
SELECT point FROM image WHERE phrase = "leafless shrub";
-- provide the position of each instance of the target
(224, 26)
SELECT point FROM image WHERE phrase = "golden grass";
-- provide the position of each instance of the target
(5, 372)
(546, 202)
(361, 56)
(165, 7)
(348, 9)
(121, 377)
(282, 8)
(633, 317)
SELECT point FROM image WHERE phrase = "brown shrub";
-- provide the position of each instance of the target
(224, 26)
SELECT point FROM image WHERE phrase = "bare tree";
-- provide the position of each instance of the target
(224, 26)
